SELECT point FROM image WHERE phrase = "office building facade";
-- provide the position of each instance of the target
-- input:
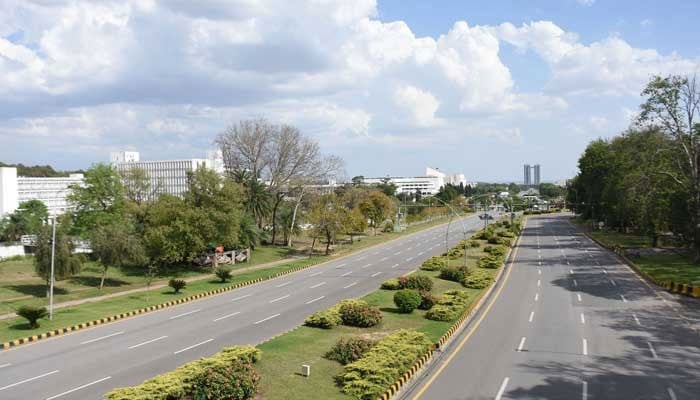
(531, 175)
(427, 185)
(53, 192)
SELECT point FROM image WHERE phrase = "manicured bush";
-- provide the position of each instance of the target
(434, 263)
(368, 377)
(474, 243)
(449, 306)
(360, 315)
(477, 279)
(506, 234)
(497, 251)
(440, 312)
(490, 261)
(482, 235)
(418, 282)
(427, 301)
(177, 284)
(407, 300)
(391, 284)
(347, 350)
(328, 318)
(500, 240)
(32, 315)
(223, 273)
(494, 240)
(456, 252)
(454, 274)
(179, 383)
(238, 381)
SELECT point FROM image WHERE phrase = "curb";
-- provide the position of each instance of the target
(673, 287)
(456, 326)
(61, 331)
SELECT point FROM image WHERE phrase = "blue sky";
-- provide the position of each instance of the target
(390, 86)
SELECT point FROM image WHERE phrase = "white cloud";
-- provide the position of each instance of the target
(421, 104)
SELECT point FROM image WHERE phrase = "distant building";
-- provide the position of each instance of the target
(528, 175)
(537, 174)
(427, 185)
(166, 176)
(53, 192)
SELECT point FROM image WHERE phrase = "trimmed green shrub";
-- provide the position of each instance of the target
(407, 300)
(360, 315)
(368, 377)
(474, 243)
(440, 312)
(427, 301)
(238, 381)
(456, 252)
(505, 234)
(500, 240)
(490, 261)
(32, 314)
(482, 235)
(391, 284)
(434, 263)
(347, 350)
(449, 306)
(497, 251)
(454, 274)
(328, 318)
(477, 279)
(223, 273)
(177, 284)
(179, 383)
(418, 282)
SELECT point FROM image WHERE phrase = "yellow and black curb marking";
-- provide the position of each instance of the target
(61, 331)
(673, 287)
(468, 312)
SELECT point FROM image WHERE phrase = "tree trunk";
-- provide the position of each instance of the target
(311, 251)
(278, 200)
(328, 243)
(294, 217)
(102, 281)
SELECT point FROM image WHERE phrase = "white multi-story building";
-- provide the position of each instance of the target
(428, 185)
(53, 192)
(166, 176)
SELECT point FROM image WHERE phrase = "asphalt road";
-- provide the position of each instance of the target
(570, 322)
(89, 363)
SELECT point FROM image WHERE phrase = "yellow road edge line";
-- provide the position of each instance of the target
(476, 324)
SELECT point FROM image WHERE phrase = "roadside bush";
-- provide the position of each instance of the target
(427, 301)
(477, 279)
(442, 313)
(238, 381)
(495, 250)
(347, 350)
(482, 235)
(179, 383)
(506, 234)
(368, 377)
(391, 284)
(32, 315)
(454, 274)
(490, 262)
(456, 252)
(418, 282)
(474, 243)
(449, 306)
(500, 240)
(407, 300)
(223, 273)
(177, 284)
(434, 263)
(360, 315)
(328, 318)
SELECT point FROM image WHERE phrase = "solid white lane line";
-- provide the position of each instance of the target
(578, 295)
(636, 319)
(394, 266)
(340, 265)
(5, 365)
(227, 316)
(316, 273)
(584, 390)
(376, 274)
(532, 316)
(502, 389)
(267, 319)
(241, 297)
(623, 298)
(147, 342)
(537, 296)
(279, 298)
(315, 300)
(575, 283)
(651, 349)
(27, 380)
(284, 284)
(538, 283)
(102, 337)
(193, 346)
(347, 273)
(317, 285)
(522, 343)
(672, 394)
(585, 347)
(187, 313)
(366, 265)
(350, 285)
(78, 388)
(583, 319)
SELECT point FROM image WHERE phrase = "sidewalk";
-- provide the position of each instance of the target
(158, 285)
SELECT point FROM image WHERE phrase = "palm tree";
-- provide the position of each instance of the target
(258, 199)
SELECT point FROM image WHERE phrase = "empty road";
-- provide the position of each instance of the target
(570, 322)
(88, 363)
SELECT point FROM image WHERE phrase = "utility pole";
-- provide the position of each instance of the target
(53, 250)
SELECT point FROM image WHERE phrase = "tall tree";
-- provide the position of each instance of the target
(138, 187)
(98, 201)
(28, 219)
(377, 207)
(329, 218)
(65, 263)
(117, 245)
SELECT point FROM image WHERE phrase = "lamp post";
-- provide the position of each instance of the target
(51, 279)
(447, 232)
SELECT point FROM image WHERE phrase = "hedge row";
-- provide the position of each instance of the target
(329, 317)
(179, 383)
(368, 377)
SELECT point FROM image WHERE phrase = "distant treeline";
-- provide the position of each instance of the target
(38, 171)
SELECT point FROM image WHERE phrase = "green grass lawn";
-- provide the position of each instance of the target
(627, 240)
(670, 267)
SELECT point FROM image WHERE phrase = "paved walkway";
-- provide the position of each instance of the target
(158, 285)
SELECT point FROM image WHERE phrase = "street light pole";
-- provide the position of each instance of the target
(53, 250)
